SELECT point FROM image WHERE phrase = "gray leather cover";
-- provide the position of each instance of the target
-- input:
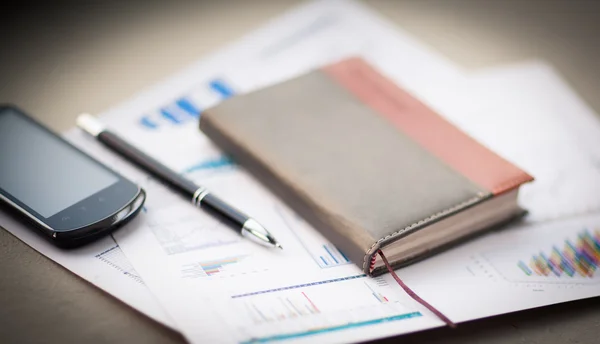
(340, 165)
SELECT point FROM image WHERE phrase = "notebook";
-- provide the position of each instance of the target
(367, 164)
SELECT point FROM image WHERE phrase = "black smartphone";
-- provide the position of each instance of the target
(56, 187)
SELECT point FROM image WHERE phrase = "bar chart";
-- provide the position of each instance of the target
(569, 259)
(579, 257)
(322, 252)
(185, 108)
(210, 268)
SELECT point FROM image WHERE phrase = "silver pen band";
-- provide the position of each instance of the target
(199, 194)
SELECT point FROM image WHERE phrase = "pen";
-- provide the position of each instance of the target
(200, 196)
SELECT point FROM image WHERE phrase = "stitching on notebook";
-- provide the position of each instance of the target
(416, 224)
(511, 183)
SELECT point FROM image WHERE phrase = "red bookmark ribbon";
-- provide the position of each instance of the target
(412, 294)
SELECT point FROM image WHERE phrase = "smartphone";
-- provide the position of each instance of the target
(58, 189)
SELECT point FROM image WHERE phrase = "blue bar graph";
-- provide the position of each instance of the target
(333, 257)
(148, 123)
(331, 254)
(324, 261)
(186, 105)
(183, 109)
(221, 88)
(323, 253)
(169, 116)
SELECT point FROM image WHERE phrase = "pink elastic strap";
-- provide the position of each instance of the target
(414, 295)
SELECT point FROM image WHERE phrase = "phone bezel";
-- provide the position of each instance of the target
(99, 212)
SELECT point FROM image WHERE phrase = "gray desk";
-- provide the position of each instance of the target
(58, 61)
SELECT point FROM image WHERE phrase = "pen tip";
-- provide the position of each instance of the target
(279, 245)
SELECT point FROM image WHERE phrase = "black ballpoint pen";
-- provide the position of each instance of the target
(200, 196)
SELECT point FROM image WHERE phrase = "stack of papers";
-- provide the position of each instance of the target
(177, 265)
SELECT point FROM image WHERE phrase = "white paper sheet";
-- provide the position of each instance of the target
(495, 274)
(102, 263)
(529, 115)
(251, 289)
(309, 35)
(183, 254)
(221, 288)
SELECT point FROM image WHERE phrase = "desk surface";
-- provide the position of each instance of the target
(59, 61)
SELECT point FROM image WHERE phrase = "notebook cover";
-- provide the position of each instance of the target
(359, 158)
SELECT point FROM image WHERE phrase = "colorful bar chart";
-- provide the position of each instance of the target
(209, 268)
(216, 266)
(380, 297)
(563, 254)
(576, 258)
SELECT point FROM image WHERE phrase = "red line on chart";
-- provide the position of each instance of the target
(311, 303)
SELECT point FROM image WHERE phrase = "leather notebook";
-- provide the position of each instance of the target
(366, 163)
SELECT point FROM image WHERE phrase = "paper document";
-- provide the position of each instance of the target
(191, 262)
(305, 37)
(220, 287)
(529, 115)
(102, 263)
(518, 268)
(262, 295)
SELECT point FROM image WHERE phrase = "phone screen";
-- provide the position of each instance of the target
(42, 171)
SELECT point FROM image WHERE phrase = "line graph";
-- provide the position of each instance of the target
(297, 286)
(222, 161)
(185, 229)
(208, 167)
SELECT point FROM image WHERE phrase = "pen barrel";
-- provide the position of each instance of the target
(224, 211)
(148, 164)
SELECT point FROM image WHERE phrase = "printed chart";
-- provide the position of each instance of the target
(210, 268)
(323, 253)
(186, 108)
(187, 229)
(116, 259)
(303, 310)
(573, 260)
